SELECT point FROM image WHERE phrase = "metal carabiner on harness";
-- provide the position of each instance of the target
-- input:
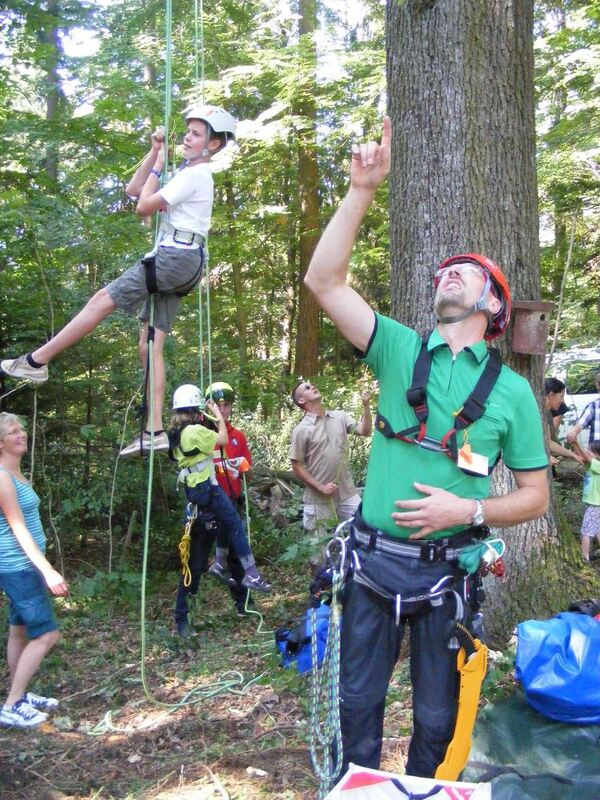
(340, 541)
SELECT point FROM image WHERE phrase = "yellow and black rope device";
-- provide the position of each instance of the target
(185, 546)
(471, 664)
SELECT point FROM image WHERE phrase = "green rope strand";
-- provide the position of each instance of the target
(325, 730)
(168, 77)
(201, 338)
(208, 326)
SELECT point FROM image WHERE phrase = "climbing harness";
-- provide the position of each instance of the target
(325, 736)
(200, 466)
(181, 236)
(467, 594)
(472, 409)
(149, 264)
(427, 550)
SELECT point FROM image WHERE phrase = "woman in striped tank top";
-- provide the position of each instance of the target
(25, 578)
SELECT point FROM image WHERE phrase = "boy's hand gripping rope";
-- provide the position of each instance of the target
(325, 736)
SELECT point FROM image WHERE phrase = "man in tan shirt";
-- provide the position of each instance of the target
(320, 458)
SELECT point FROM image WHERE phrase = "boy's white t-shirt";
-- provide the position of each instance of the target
(189, 194)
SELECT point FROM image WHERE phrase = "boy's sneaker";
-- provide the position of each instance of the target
(161, 444)
(40, 702)
(21, 368)
(21, 715)
(221, 573)
(185, 630)
(257, 584)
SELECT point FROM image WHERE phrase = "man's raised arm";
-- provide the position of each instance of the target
(328, 270)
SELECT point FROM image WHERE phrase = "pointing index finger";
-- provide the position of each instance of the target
(386, 138)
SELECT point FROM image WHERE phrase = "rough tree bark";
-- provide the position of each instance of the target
(463, 179)
(49, 36)
(307, 332)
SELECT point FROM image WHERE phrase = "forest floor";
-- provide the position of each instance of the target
(203, 731)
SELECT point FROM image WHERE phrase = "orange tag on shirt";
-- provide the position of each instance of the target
(465, 453)
(473, 462)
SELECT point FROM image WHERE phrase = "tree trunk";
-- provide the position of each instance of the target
(463, 179)
(239, 295)
(49, 36)
(307, 332)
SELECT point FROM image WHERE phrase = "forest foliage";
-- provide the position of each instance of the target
(75, 120)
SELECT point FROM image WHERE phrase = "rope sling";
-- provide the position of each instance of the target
(325, 735)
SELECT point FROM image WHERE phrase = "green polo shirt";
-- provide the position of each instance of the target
(511, 425)
(591, 484)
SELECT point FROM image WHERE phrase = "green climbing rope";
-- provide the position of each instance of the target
(325, 737)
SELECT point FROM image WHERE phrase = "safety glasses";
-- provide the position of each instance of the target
(461, 269)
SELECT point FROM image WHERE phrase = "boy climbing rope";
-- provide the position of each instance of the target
(192, 444)
(168, 272)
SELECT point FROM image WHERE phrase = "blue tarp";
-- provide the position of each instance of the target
(558, 665)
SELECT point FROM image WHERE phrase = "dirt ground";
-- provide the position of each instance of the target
(211, 716)
(200, 731)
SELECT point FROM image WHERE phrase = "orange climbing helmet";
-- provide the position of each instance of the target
(496, 280)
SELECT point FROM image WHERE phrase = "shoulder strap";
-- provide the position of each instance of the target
(416, 394)
(473, 408)
(175, 442)
(474, 405)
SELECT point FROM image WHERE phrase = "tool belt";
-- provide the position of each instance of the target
(180, 236)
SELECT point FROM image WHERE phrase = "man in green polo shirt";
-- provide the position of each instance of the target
(427, 487)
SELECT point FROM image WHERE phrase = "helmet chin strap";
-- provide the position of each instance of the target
(203, 153)
(480, 305)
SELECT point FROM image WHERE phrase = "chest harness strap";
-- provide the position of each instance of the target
(200, 466)
(472, 409)
(175, 443)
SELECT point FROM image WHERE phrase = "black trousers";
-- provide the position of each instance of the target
(203, 535)
(370, 645)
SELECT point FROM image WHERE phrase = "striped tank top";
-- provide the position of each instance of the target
(12, 557)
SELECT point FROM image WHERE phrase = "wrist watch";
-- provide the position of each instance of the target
(155, 172)
(478, 517)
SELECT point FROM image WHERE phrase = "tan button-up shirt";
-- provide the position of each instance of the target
(320, 444)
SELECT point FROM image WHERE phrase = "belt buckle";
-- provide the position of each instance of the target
(433, 551)
(189, 237)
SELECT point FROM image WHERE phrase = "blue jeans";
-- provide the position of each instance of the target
(203, 534)
(209, 497)
(29, 604)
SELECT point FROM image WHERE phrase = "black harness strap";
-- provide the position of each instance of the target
(150, 271)
(149, 264)
(416, 396)
(175, 442)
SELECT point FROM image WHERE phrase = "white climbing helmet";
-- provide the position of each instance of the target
(220, 121)
(187, 396)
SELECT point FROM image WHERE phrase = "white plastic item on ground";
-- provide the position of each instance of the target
(360, 783)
